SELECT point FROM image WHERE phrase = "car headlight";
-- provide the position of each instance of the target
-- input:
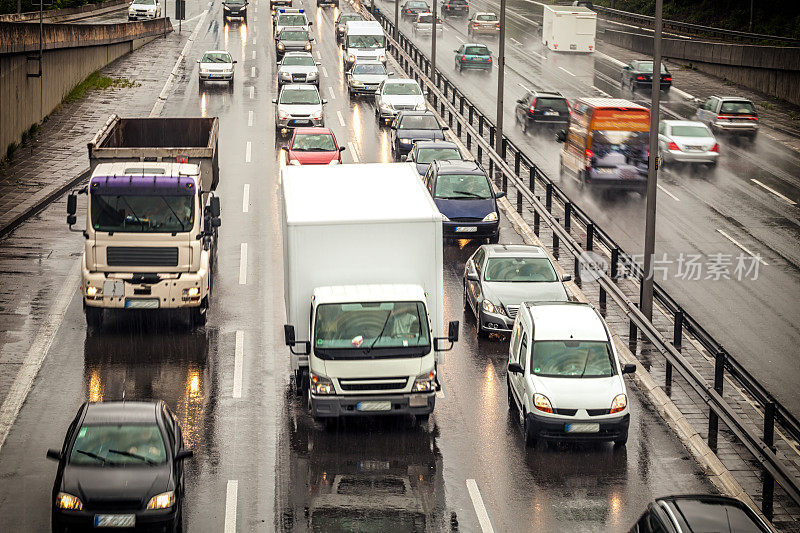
(308, 47)
(334, 162)
(282, 114)
(356, 83)
(405, 141)
(541, 402)
(203, 70)
(351, 58)
(285, 75)
(387, 107)
(165, 500)
(316, 114)
(295, 162)
(280, 46)
(619, 403)
(311, 75)
(444, 218)
(491, 217)
(321, 384)
(93, 291)
(192, 292)
(425, 382)
(421, 107)
(489, 307)
(68, 501)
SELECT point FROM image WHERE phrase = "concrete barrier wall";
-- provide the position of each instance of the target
(772, 70)
(71, 53)
(68, 13)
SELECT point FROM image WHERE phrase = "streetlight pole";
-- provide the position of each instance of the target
(646, 296)
(433, 44)
(396, 19)
(501, 69)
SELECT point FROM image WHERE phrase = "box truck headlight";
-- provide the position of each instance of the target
(192, 292)
(281, 46)
(619, 403)
(405, 141)
(491, 217)
(321, 384)
(308, 47)
(425, 382)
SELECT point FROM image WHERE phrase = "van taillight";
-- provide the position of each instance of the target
(569, 107)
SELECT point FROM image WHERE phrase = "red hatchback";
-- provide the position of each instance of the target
(314, 146)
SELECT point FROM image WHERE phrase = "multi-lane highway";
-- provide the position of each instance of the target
(261, 463)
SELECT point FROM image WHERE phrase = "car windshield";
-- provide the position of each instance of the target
(313, 142)
(522, 269)
(298, 61)
(118, 445)
(369, 69)
(407, 89)
(487, 18)
(417, 5)
(428, 19)
(216, 57)
(734, 108)
(462, 186)
(690, 131)
(293, 35)
(364, 326)
(292, 20)
(426, 155)
(143, 214)
(344, 19)
(613, 148)
(144, 2)
(572, 359)
(647, 67)
(298, 96)
(476, 51)
(366, 41)
(551, 104)
(418, 122)
(234, 2)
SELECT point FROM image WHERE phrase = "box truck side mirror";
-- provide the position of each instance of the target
(288, 337)
(452, 337)
(72, 208)
(214, 206)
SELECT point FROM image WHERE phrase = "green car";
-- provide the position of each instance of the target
(473, 56)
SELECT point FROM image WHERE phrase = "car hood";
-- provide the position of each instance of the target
(108, 484)
(403, 99)
(433, 135)
(579, 393)
(217, 66)
(515, 293)
(369, 78)
(313, 158)
(470, 208)
(298, 69)
(299, 109)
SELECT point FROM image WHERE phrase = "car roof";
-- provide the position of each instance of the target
(553, 94)
(476, 44)
(452, 166)
(565, 321)
(294, 28)
(736, 98)
(121, 412)
(485, 13)
(514, 250)
(692, 514)
(415, 113)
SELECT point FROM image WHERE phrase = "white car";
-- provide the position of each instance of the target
(423, 25)
(216, 65)
(564, 376)
(393, 96)
(144, 10)
(298, 67)
(686, 141)
(298, 105)
(285, 18)
(365, 77)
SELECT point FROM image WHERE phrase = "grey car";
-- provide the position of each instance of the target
(729, 114)
(423, 152)
(365, 76)
(298, 105)
(216, 65)
(686, 141)
(293, 39)
(298, 67)
(498, 278)
(398, 95)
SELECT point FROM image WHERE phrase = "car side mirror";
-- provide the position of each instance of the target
(310, 23)
(183, 454)
(500, 194)
(318, 63)
(324, 102)
(629, 368)
(274, 100)
(342, 148)
(214, 206)
(235, 61)
(626, 67)
(472, 275)
(403, 158)
(393, 127)
(54, 454)
(561, 136)
(515, 368)
(445, 128)
(311, 40)
(198, 60)
(390, 73)
(566, 278)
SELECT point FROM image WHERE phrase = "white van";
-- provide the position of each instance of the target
(364, 40)
(569, 29)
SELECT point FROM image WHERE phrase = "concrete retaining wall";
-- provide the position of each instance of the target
(769, 69)
(68, 13)
(71, 53)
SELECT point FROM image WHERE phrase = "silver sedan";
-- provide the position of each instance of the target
(686, 141)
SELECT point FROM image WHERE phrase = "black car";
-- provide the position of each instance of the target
(292, 39)
(234, 8)
(411, 126)
(412, 8)
(121, 466)
(539, 108)
(639, 74)
(455, 8)
(690, 512)
(424, 152)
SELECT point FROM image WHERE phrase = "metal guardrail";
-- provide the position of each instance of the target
(455, 106)
(697, 29)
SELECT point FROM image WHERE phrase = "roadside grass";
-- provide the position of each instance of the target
(97, 82)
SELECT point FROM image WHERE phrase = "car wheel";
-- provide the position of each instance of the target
(530, 437)
(482, 333)
(581, 180)
(494, 239)
(525, 125)
(94, 317)
(197, 316)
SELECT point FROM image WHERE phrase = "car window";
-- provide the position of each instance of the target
(302, 97)
(487, 18)
(737, 108)
(523, 352)
(369, 69)
(647, 67)
(298, 61)
(293, 35)
(145, 2)
(426, 155)
(418, 122)
(519, 269)
(313, 142)
(462, 187)
(344, 19)
(111, 445)
(407, 89)
(477, 51)
(216, 57)
(551, 104)
(477, 259)
(689, 131)
(292, 20)
(662, 128)
(417, 4)
(572, 359)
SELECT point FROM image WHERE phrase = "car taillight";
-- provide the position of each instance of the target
(569, 107)
(497, 25)
(589, 154)
(667, 78)
(640, 78)
(715, 148)
(463, 58)
(673, 146)
(533, 106)
(475, 24)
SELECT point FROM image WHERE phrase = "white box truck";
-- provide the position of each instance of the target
(569, 28)
(363, 285)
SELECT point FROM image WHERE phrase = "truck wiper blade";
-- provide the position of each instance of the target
(133, 455)
(371, 346)
(139, 220)
(183, 226)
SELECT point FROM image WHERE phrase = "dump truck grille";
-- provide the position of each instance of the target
(142, 256)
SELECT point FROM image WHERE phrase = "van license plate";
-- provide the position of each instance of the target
(581, 428)
(374, 406)
(141, 303)
(115, 520)
(466, 229)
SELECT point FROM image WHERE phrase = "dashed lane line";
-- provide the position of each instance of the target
(252, 72)
(250, 118)
(341, 118)
(741, 246)
(480, 508)
(353, 152)
(568, 72)
(231, 495)
(248, 151)
(254, 54)
(246, 198)
(252, 92)
(324, 72)
(243, 264)
(665, 191)
(238, 355)
(773, 191)
(333, 94)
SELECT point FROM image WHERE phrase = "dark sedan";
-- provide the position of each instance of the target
(498, 278)
(121, 466)
(639, 74)
(424, 152)
(412, 8)
(234, 8)
(412, 126)
(455, 8)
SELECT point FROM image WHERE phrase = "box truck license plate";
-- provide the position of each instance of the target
(581, 428)
(141, 303)
(114, 520)
(374, 406)
(466, 229)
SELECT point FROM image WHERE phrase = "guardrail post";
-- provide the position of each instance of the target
(480, 154)
(469, 141)
(491, 168)
(472, 115)
(614, 263)
(536, 221)
(532, 178)
(461, 107)
(548, 197)
(577, 270)
(555, 242)
(713, 419)
(768, 488)
(567, 215)
(449, 118)
(633, 335)
(519, 201)
(504, 148)
(517, 162)
(441, 106)
(480, 125)
(589, 236)
(602, 299)
(491, 135)
(458, 129)
(677, 341)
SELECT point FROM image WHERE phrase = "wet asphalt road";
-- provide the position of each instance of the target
(700, 212)
(261, 463)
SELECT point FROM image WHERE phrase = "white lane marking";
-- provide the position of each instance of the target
(480, 508)
(518, 83)
(460, 39)
(243, 264)
(341, 118)
(515, 41)
(748, 252)
(324, 72)
(252, 92)
(37, 352)
(333, 95)
(255, 19)
(253, 72)
(254, 40)
(246, 198)
(568, 72)
(238, 352)
(665, 191)
(230, 505)
(247, 152)
(250, 118)
(773, 191)
(353, 152)
(537, 54)
(601, 91)
(683, 93)
(254, 54)
(319, 55)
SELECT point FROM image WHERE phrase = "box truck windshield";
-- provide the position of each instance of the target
(366, 41)
(142, 214)
(354, 330)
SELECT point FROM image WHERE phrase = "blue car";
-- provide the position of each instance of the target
(412, 126)
(466, 200)
(472, 55)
